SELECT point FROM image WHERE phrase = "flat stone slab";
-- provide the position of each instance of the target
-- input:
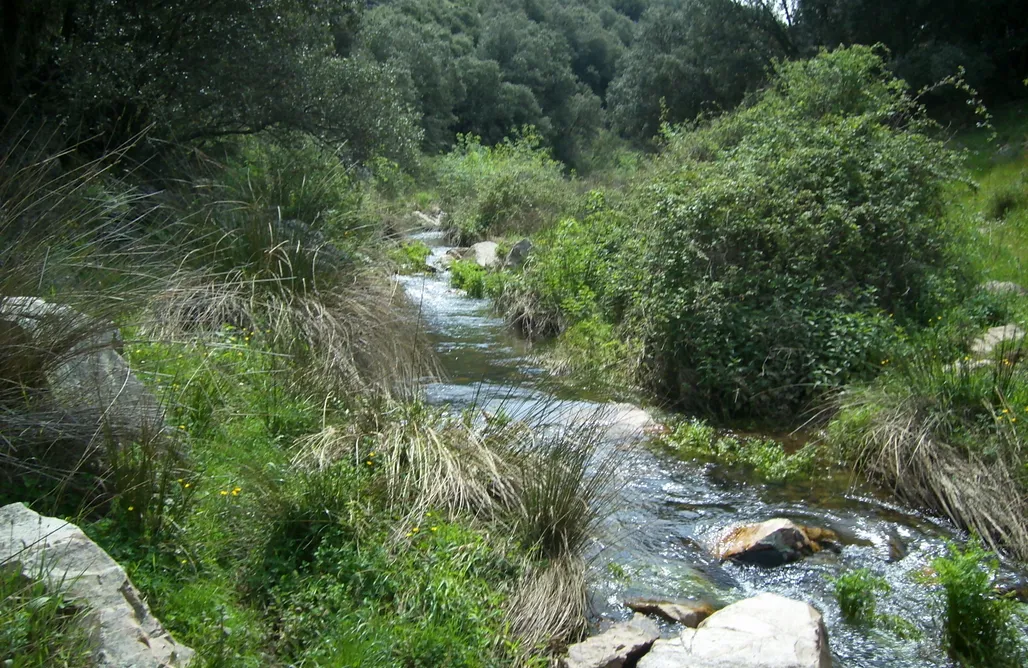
(618, 646)
(766, 631)
(124, 632)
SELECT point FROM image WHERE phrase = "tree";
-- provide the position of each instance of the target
(689, 56)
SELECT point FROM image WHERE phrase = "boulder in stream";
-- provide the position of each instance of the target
(484, 254)
(772, 543)
(125, 633)
(619, 646)
(766, 631)
(686, 613)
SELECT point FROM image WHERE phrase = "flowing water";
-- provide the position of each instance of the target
(653, 546)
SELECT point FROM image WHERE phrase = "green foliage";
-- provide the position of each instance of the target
(410, 257)
(39, 629)
(765, 456)
(187, 72)
(513, 187)
(690, 57)
(857, 591)
(781, 256)
(979, 629)
(468, 276)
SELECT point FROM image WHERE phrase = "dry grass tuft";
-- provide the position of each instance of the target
(549, 606)
(904, 447)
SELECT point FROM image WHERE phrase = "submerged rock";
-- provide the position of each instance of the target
(125, 633)
(766, 631)
(772, 543)
(686, 613)
(620, 645)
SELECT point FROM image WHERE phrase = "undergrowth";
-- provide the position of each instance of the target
(765, 456)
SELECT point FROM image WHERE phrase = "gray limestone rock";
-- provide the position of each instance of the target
(125, 634)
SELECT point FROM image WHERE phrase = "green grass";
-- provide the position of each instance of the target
(39, 629)
(998, 204)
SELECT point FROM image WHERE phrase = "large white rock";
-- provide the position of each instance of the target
(1006, 338)
(484, 254)
(766, 631)
(124, 633)
(616, 647)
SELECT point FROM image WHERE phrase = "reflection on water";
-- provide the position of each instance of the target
(655, 544)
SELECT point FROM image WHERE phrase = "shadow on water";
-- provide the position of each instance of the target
(656, 543)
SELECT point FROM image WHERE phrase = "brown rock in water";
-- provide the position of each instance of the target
(687, 613)
(772, 543)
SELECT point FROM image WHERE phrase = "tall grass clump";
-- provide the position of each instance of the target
(947, 432)
(857, 591)
(979, 628)
(39, 628)
(513, 187)
(278, 247)
(76, 255)
(548, 491)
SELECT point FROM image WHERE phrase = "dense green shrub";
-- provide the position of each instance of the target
(979, 629)
(786, 245)
(512, 187)
(857, 591)
(765, 456)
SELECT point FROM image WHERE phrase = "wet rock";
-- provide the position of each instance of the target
(626, 421)
(125, 633)
(772, 543)
(897, 547)
(621, 645)
(687, 613)
(1004, 288)
(1005, 340)
(766, 631)
(518, 254)
(484, 254)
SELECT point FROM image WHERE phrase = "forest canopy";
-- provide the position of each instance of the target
(394, 77)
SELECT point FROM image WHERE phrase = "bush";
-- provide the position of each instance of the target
(512, 187)
(857, 591)
(410, 257)
(765, 456)
(468, 276)
(979, 629)
(780, 256)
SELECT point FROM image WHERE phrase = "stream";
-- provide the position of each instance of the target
(652, 546)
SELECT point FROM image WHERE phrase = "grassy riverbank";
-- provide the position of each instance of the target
(302, 504)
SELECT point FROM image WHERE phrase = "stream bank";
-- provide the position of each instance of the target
(657, 544)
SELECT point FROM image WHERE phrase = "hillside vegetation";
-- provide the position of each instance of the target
(752, 211)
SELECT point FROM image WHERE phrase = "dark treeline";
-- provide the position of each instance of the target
(390, 77)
